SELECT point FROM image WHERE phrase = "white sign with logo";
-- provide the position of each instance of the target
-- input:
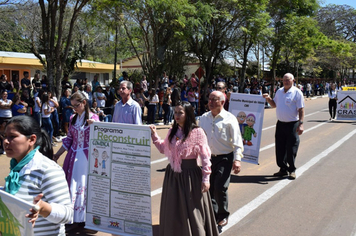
(346, 105)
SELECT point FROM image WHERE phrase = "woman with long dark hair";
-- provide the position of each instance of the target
(186, 207)
(332, 101)
(76, 162)
(35, 178)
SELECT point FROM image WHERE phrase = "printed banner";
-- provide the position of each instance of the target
(249, 111)
(12, 216)
(346, 105)
(119, 179)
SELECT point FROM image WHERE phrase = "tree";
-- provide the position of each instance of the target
(338, 22)
(151, 27)
(253, 30)
(54, 34)
(283, 13)
(12, 37)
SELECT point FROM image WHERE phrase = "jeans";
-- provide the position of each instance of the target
(151, 114)
(107, 118)
(167, 112)
(55, 123)
(47, 125)
(37, 116)
(160, 111)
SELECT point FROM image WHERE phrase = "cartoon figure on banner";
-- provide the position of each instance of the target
(249, 130)
(241, 117)
(104, 157)
(96, 162)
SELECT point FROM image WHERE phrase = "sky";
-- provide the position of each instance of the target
(351, 3)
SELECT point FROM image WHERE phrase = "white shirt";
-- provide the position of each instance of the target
(154, 101)
(101, 102)
(5, 112)
(288, 104)
(332, 94)
(51, 104)
(45, 107)
(37, 108)
(223, 133)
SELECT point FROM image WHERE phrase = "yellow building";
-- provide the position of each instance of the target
(132, 63)
(15, 64)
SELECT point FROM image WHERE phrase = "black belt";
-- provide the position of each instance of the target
(221, 155)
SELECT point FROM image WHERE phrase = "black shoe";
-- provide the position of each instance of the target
(281, 173)
(292, 175)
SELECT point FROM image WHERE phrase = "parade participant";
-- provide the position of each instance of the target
(332, 101)
(76, 162)
(186, 185)
(127, 110)
(225, 142)
(35, 178)
(289, 104)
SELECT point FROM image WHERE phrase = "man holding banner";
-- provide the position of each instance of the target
(289, 104)
(225, 142)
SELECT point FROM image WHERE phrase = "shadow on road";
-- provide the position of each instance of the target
(255, 179)
(334, 121)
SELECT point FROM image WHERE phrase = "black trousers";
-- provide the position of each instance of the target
(287, 143)
(332, 108)
(219, 184)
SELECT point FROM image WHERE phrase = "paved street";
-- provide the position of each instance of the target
(321, 201)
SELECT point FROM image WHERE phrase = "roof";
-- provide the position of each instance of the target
(29, 59)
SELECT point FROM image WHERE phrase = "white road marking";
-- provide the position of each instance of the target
(237, 216)
(159, 160)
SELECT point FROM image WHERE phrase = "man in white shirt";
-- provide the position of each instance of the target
(289, 103)
(224, 139)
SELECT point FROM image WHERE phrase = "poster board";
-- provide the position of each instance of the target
(346, 105)
(119, 179)
(12, 216)
(249, 111)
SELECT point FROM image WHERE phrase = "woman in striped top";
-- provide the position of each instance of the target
(35, 178)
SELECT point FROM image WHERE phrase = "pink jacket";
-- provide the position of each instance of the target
(194, 147)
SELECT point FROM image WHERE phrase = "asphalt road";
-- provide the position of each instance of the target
(321, 201)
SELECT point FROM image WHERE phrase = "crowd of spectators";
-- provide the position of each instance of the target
(157, 100)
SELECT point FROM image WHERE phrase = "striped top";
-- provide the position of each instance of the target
(42, 175)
